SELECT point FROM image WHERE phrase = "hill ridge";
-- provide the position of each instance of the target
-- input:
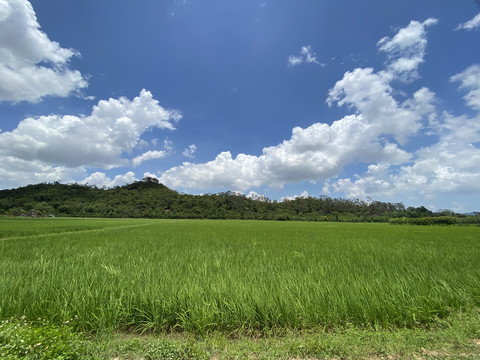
(148, 198)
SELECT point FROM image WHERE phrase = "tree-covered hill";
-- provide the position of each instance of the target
(149, 199)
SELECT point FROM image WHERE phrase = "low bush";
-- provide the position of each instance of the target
(433, 220)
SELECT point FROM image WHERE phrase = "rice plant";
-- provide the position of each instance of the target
(248, 276)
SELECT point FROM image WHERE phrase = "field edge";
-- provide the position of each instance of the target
(457, 337)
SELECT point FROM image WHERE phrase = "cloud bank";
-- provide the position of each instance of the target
(59, 147)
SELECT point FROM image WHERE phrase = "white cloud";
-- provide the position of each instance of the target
(190, 151)
(149, 155)
(99, 140)
(321, 151)
(303, 195)
(448, 166)
(31, 65)
(315, 153)
(68, 144)
(294, 60)
(373, 182)
(240, 173)
(471, 24)
(100, 179)
(309, 54)
(16, 172)
(406, 49)
(371, 94)
(141, 144)
(306, 55)
(470, 80)
(256, 196)
(441, 168)
(168, 146)
(149, 174)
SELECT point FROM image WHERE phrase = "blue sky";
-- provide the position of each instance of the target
(369, 99)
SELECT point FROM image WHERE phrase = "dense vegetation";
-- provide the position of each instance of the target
(247, 276)
(149, 199)
(459, 338)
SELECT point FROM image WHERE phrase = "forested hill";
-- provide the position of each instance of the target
(149, 199)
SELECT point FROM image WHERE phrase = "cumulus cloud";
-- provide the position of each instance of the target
(69, 144)
(98, 140)
(100, 179)
(375, 133)
(448, 166)
(149, 155)
(471, 24)
(314, 153)
(256, 196)
(31, 65)
(371, 94)
(240, 173)
(16, 172)
(406, 50)
(444, 167)
(303, 195)
(470, 80)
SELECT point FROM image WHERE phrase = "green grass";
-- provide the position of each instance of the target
(455, 338)
(235, 276)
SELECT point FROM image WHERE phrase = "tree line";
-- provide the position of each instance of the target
(148, 198)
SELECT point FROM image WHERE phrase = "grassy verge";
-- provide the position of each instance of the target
(455, 338)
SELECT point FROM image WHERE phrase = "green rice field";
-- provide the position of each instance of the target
(247, 276)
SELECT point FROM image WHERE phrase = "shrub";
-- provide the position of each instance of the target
(431, 220)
